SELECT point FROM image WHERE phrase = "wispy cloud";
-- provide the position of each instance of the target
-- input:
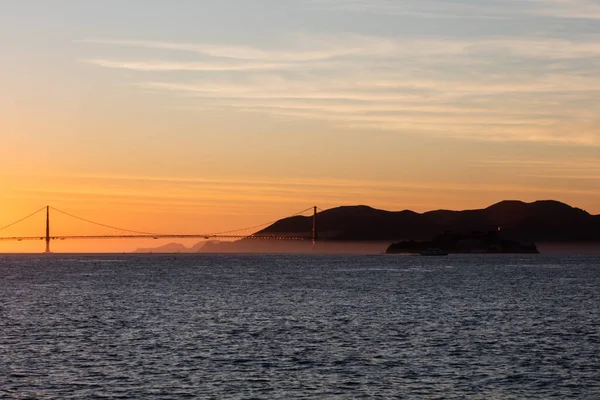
(259, 190)
(165, 66)
(236, 52)
(353, 47)
(494, 9)
(416, 8)
(577, 9)
(474, 88)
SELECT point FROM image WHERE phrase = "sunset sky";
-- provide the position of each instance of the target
(202, 116)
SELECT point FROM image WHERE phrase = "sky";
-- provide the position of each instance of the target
(205, 116)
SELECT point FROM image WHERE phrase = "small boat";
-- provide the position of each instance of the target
(433, 252)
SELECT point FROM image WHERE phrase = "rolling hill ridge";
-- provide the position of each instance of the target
(546, 220)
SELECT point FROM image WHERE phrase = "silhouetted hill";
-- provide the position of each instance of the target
(538, 221)
(179, 248)
(167, 248)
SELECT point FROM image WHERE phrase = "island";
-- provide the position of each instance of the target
(465, 243)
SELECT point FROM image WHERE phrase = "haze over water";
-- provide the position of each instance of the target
(241, 326)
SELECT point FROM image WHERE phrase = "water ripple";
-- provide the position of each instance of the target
(299, 327)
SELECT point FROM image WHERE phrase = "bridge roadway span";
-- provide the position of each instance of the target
(145, 235)
(199, 236)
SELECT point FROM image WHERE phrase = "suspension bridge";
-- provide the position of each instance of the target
(133, 234)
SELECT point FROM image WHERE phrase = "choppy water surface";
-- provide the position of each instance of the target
(481, 327)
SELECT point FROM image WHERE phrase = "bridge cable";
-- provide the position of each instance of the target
(103, 225)
(22, 219)
(258, 226)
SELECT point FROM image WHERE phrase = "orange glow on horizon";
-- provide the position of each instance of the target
(188, 206)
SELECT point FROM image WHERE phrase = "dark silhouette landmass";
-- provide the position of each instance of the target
(474, 242)
(167, 248)
(345, 229)
(538, 221)
(176, 248)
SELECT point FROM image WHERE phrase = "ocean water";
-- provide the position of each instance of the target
(299, 327)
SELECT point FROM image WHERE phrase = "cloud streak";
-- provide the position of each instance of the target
(170, 66)
(504, 9)
(354, 47)
(468, 88)
(234, 52)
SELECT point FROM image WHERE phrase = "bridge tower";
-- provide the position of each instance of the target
(314, 226)
(47, 229)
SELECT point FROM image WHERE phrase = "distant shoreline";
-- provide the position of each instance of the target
(545, 248)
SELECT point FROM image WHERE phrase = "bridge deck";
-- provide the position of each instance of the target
(155, 237)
